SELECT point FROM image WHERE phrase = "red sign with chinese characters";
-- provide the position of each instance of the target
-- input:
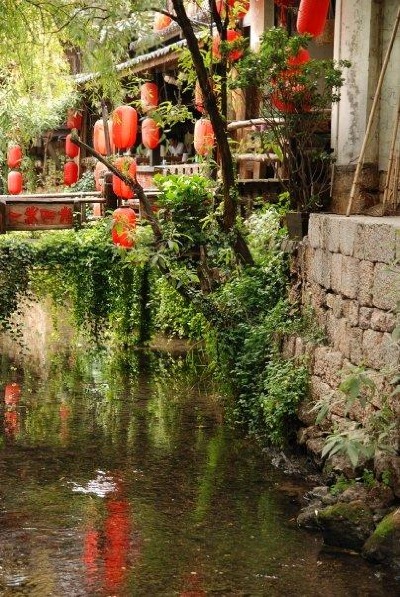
(39, 216)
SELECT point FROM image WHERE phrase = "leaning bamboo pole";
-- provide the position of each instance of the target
(390, 182)
(372, 114)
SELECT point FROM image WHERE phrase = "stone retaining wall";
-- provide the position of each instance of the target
(350, 279)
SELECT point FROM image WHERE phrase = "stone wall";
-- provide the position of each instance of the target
(350, 279)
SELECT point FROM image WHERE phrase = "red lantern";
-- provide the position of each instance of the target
(71, 149)
(14, 182)
(204, 138)
(97, 210)
(99, 138)
(70, 173)
(74, 120)
(161, 21)
(150, 133)
(14, 156)
(149, 96)
(12, 394)
(126, 165)
(124, 126)
(124, 222)
(231, 36)
(198, 98)
(312, 16)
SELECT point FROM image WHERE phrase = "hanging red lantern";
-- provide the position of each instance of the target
(14, 156)
(71, 150)
(12, 394)
(198, 98)
(70, 173)
(312, 16)
(97, 210)
(14, 182)
(124, 222)
(124, 126)
(149, 96)
(99, 138)
(161, 21)
(231, 37)
(126, 165)
(204, 138)
(74, 120)
(150, 133)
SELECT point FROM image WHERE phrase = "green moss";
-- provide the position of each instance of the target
(354, 512)
(386, 526)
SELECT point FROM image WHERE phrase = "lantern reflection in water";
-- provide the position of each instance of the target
(12, 395)
(110, 546)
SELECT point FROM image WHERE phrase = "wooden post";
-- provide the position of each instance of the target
(2, 217)
(109, 195)
(104, 113)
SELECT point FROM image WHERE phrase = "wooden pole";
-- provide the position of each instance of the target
(104, 113)
(372, 114)
(391, 164)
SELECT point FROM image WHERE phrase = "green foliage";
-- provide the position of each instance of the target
(358, 442)
(81, 270)
(340, 485)
(285, 385)
(86, 183)
(172, 316)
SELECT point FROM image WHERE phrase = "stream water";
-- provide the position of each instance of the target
(122, 479)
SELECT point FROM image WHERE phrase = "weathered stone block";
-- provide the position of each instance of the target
(350, 276)
(331, 234)
(390, 353)
(382, 321)
(321, 268)
(348, 236)
(328, 365)
(386, 287)
(379, 242)
(314, 231)
(350, 310)
(355, 341)
(334, 302)
(365, 283)
(336, 272)
(365, 315)
(372, 349)
(317, 295)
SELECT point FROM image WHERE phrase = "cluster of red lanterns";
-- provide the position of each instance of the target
(14, 180)
(71, 169)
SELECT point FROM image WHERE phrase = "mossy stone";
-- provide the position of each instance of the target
(384, 544)
(346, 525)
